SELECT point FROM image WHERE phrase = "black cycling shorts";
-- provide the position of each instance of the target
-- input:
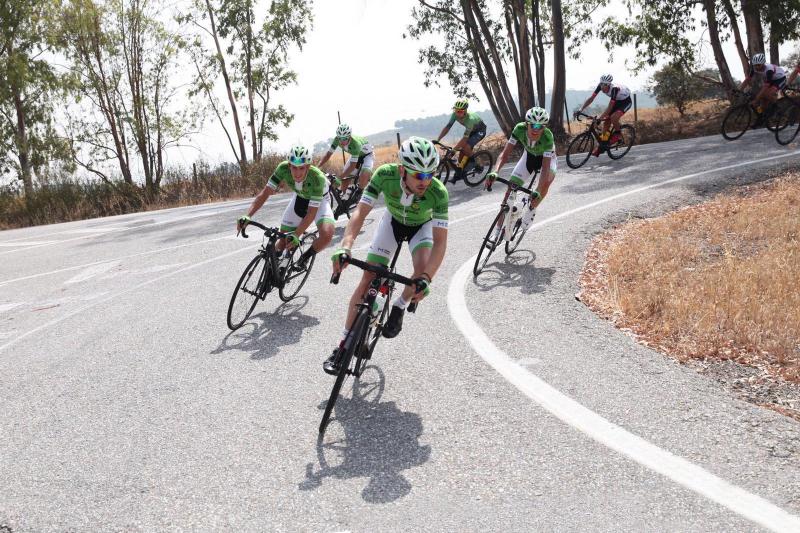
(622, 105)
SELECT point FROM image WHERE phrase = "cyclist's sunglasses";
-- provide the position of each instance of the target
(298, 161)
(536, 127)
(422, 176)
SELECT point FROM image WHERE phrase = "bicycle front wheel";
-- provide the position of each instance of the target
(357, 339)
(516, 237)
(623, 146)
(488, 245)
(478, 167)
(442, 172)
(580, 149)
(295, 276)
(247, 292)
(788, 124)
(736, 121)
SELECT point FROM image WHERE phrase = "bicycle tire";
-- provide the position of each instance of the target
(344, 366)
(374, 333)
(737, 120)
(516, 237)
(773, 113)
(628, 138)
(488, 245)
(252, 292)
(788, 124)
(580, 149)
(482, 162)
(443, 172)
(285, 292)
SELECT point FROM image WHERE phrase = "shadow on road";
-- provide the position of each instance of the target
(369, 439)
(265, 333)
(515, 270)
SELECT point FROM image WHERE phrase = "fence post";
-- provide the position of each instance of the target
(635, 111)
(566, 112)
(194, 174)
(398, 140)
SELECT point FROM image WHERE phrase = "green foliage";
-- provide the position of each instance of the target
(674, 85)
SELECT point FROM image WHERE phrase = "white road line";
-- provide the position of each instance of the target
(615, 437)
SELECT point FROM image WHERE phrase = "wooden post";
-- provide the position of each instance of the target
(635, 111)
(339, 121)
(398, 140)
(194, 174)
(566, 112)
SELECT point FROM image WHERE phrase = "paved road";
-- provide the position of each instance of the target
(128, 405)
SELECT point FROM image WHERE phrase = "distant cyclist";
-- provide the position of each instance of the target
(360, 151)
(309, 202)
(416, 210)
(619, 104)
(474, 131)
(539, 154)
(774, 77)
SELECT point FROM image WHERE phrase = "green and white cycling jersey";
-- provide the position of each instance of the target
(407, 209)
(544, 146)
(312, 188)
(357, 146)
(470, 121)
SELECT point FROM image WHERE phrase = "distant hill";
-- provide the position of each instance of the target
(431, 126)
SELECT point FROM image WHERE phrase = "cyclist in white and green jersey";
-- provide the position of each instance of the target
(539, 154)
(474, 131)
(360, 151)
(309, 202)
(416, 210)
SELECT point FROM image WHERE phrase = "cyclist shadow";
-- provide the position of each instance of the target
(370, 439)
(516, 270)
(264, 334)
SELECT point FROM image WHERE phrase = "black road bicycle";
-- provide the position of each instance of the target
(787, 123)
(478, 166)
(509, 220)
(268, 270)
(742, 116)
(344, 205)
(367, 327)
(582, 146)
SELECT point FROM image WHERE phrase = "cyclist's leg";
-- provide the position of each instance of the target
(325, 225)
(348, 168)
(292, 215)
(365, 172)
(420, 245)
(545, 180)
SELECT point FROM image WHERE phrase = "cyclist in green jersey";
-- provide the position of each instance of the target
(539, 154)
(474, 131)
(360, 151)
(416, 210)
(309, 203)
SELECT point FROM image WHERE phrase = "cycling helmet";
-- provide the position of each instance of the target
(418, 154)
(758, 59)
(461, 103)
(606, 78)
(299, 155)
(343, 131)
(537, 115)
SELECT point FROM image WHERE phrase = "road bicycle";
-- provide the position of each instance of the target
(787, 123)
(742, 116)
(478, 166)
(582, 146)
(509, 220)
(353, 354)
(268, 270)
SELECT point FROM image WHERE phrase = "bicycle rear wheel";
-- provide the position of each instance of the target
(478, 167)
(488, 245)
(442, 172)
(788, 124)
(580, 149)
(618, 150)
(295, 277)
(247, 292)
(356, 340)
(736, 121)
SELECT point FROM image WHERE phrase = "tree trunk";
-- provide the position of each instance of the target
(538, 51)
(737, 36)
(752, 23)
(716, 45)
(517, 24)
(249, 55)
(774, 42)
(21, 142)
(559, 74)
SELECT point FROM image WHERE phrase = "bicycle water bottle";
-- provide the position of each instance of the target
(378, 303)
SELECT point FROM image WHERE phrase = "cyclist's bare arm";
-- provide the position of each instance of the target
(325, 158)
(258, 201)
(588, 102)
(443, 132)
(354, 226)
(504, 155)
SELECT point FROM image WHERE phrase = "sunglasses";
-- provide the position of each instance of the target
(422, 176)
(298, 161)
(536, 127)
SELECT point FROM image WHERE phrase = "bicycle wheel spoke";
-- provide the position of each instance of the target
(247, 292)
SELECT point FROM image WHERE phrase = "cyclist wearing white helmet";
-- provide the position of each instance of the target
(774, 79)
(619, 104)
(539, 154)
(360, 151)
(309, 202)
(416, 210)
(474, 131)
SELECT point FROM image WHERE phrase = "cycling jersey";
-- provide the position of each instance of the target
(617, 92)
(470, 121)
(357, 146)
(545, 143)
(408, 209)
(771, 72)
(312, 188)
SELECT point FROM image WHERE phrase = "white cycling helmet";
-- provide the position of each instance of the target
(537, 115)
(606, 78)
(299, 155)
(343, 131)
(419, 154)
(758, 59)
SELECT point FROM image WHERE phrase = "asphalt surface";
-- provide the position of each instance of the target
(127, 404)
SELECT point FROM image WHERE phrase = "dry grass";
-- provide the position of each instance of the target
(719, 280)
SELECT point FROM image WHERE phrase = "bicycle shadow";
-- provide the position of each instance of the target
(516, 270)
(265, 333)
(371, 439)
